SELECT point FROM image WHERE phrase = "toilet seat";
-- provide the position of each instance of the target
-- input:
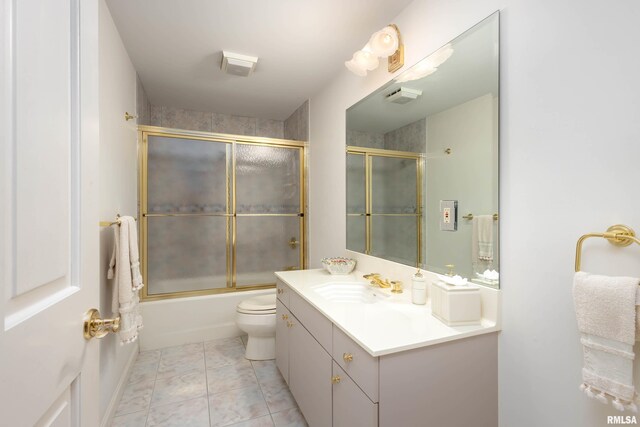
(260, 305)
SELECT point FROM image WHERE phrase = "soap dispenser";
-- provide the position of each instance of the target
(418, 289)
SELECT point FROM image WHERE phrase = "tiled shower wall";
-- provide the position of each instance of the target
(412, 137)
(295, 127)
(178, 118)
(143, 105)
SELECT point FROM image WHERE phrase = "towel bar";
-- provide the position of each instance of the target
(618, 235)
(470, 216)
(110, 223)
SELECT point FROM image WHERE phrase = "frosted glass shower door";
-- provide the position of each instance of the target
(186, 215)
(395, 219)
(356, 202)
(268, 226)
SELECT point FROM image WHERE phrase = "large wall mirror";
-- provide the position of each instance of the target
(422, 162)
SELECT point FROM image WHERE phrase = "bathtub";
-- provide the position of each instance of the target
(193, 319)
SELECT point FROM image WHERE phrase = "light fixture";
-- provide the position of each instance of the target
(427, 66)
(384, 43)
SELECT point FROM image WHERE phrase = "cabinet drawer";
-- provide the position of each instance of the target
(356, 362)
(315, 322)
(282, 292)
(351, 407)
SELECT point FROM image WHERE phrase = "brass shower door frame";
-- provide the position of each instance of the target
(144, 132)
(369, 154)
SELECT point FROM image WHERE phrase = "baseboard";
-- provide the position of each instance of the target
(117, 393)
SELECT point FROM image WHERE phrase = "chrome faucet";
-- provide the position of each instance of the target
(376, 280)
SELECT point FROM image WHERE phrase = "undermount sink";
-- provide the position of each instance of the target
(350, 292)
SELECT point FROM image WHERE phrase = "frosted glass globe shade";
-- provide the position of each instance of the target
(355, 68)
(384, 42)
(366, 59)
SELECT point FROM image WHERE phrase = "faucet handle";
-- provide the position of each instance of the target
(397, 287)
(371, 275)
(450, 267)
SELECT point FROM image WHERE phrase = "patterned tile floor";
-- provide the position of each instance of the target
(205, 384)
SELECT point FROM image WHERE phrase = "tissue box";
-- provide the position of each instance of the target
(456, 305)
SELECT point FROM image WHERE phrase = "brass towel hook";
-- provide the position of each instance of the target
(618, 235)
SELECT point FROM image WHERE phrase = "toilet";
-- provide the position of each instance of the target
(257, 317)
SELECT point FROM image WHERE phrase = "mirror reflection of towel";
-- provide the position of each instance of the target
(482, 238)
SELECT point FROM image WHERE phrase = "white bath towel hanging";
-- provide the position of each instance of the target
(482, 238)
(606, 310)
(124, 268)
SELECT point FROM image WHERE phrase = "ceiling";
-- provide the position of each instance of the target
(176, 47)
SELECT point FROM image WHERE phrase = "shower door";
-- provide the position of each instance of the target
(186, 215)
(218, 214)
(268, 205)
(384, 198)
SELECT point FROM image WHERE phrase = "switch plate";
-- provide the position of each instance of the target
(448, 215)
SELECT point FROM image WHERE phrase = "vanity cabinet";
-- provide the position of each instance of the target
(324, 392)
(337, 383)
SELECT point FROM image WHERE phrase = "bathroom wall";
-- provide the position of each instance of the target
(178, 118)
(569, 149)
(468, 131)
(117, 189)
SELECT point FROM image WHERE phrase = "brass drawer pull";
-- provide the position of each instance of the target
(335, 379)
(285, 316)
(280, 290)
(347, 357)
(289, 323)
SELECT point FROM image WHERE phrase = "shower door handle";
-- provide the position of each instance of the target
(293, 243)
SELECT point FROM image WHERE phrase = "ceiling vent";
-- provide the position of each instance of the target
(402, 95)
(237, 64)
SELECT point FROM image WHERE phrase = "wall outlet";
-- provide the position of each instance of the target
(448, 215)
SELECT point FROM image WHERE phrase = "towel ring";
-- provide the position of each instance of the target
(617, 235)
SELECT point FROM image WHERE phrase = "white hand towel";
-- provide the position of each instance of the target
(127, 279)
(482, 238)
(606, 313)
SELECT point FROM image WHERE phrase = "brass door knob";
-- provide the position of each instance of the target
(96, 327)
(347, 357)
(335, 379)
(285, 316)
(289, 324)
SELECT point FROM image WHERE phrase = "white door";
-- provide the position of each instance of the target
(48, 211)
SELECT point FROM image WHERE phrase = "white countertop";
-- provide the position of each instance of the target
(385, 327)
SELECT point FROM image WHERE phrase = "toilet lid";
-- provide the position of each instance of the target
(260, 303)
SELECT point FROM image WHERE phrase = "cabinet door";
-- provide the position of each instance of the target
(282, 291)
(309, 375)
(351, 407)
(283, 316)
